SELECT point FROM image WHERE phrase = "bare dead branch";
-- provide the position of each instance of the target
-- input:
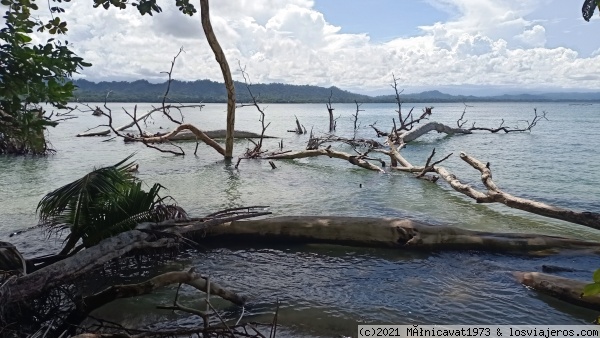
(299, 127)
(257, 151)
(332, 122)
(536, 118)
(398, 100)
(326, 152)
(170, 74)
(379, 132)
(355, 115)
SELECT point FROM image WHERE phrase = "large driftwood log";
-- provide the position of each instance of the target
(414, 134)
(187, 135)
(494, 194)
(566, 289)
(387, 233)
(197, 132)
(36, 283)
(356, 160)
(147, 235)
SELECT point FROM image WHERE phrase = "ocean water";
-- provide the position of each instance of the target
(328, 289)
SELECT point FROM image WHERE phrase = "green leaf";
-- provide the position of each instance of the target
(591, 290)
(589, 6)
(23, 38)
(596, 276)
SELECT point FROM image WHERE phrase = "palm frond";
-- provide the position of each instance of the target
(71, 203)
(122, 214)
(103, 203)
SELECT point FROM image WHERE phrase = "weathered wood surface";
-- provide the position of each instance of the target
(388, 232)
(494, 194)
(356, 160)
(227, 79)
(215, 134)
(359, 231)
(414, 134)
(566, 289)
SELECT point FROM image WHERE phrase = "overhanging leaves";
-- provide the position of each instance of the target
(589, 6)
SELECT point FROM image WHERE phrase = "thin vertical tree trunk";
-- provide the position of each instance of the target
(220, 56)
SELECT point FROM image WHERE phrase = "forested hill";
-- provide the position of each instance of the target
(209, 91)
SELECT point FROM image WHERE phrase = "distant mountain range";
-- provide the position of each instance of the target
(209, 91)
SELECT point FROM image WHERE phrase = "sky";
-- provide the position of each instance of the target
(456, 46)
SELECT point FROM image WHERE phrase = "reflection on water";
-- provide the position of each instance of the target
(328, 290)
(232, 192)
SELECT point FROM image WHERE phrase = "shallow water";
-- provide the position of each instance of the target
(325, 290)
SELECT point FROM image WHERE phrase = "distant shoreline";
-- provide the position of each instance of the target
(207, 91)
(572, 102)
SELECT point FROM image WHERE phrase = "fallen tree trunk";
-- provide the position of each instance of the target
(494, 194)
(414, 134)
(197, 132)
(187, 135)
(568, 290)
(356, 160)
(387, 233)
(38, 282)
(147, 235)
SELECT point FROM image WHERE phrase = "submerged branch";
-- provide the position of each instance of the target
(356, 160)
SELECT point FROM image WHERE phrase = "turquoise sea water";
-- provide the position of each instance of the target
(326, 289)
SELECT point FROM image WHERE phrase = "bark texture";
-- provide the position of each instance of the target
(566, 289)
(356, 160)
(414, 134)
(494, 194)
(387, 233)
(199, 134)
(222, 60)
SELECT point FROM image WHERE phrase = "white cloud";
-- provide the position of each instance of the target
(534, 37)
(484, 43)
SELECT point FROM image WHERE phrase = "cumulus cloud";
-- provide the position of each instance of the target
(485, 42)
(534, 37)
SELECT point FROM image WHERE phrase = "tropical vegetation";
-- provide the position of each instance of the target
(103, 203)
(31, 75)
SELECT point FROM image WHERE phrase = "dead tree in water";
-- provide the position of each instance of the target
(257, 151)
(406, 131)
(300, 129)
(330, 109)
(355, 116)
(227, 152)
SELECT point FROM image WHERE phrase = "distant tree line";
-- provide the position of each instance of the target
(207, 91)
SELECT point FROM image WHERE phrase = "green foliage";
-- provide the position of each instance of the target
(589, 6)
(31, 75)
(593, 288)
(103, 203)
(146, 6)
